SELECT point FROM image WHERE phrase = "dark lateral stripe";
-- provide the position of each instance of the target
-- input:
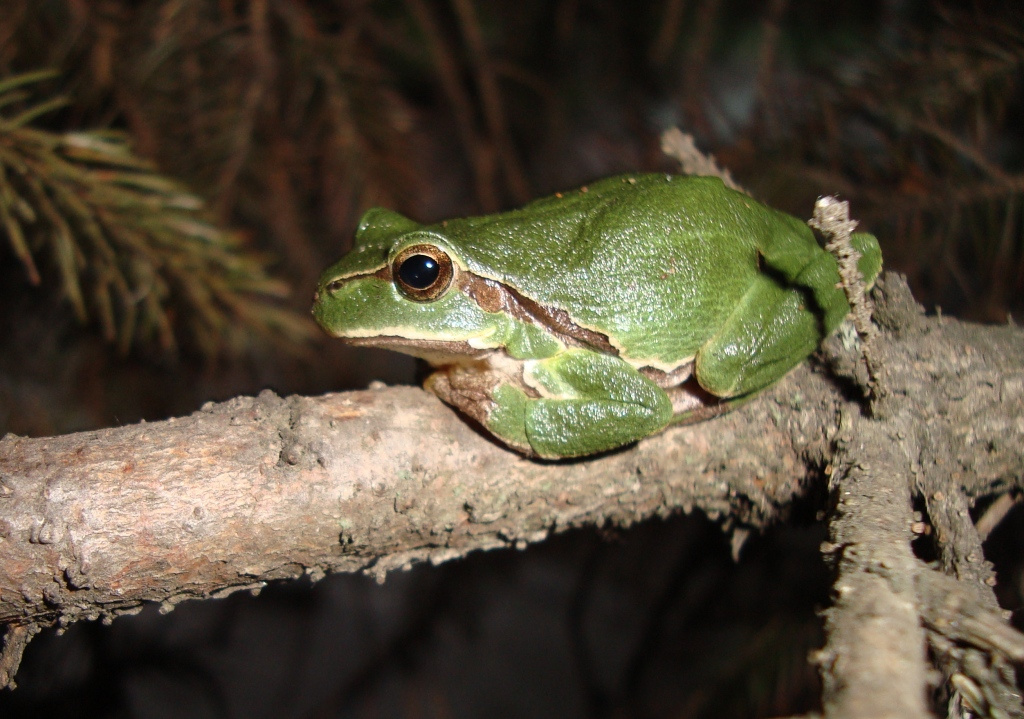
(383, 273)
(493, 296)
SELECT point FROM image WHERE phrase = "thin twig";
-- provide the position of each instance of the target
(699, 48)
(832, 219)
(765, 82)
(490, 97)
(995, 513)
(668, 31)
(449, 77)
(681, 147)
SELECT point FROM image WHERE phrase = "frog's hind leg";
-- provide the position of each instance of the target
(771, 330)
(590, 402)
(792, 305)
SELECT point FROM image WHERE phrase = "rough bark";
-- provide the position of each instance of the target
(873, 627)
(92, 525)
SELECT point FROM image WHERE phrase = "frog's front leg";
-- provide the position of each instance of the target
(587, 402)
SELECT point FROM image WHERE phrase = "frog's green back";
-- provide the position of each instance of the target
(633, 254)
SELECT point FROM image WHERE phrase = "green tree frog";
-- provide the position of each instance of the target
(593, 318)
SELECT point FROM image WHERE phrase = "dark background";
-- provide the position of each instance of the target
(289, 118)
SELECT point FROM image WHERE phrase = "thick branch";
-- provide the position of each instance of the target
(874, 629)
(889, 606)
(264, 488)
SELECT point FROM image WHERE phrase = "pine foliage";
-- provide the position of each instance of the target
(133, 249)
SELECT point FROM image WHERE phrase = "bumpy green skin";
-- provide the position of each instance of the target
(670, 269)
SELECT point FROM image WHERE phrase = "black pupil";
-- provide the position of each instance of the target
(419, 271)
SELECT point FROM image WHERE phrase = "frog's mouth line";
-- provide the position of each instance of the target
(436, 352)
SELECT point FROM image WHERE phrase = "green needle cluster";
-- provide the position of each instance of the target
(132, 250)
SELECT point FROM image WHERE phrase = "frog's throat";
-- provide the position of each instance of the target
(493, 296)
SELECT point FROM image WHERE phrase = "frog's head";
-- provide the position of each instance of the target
(402, 287)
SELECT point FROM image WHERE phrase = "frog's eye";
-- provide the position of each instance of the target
(423, 272)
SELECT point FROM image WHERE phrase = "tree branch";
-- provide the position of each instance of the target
(874, 630)
(257, 489)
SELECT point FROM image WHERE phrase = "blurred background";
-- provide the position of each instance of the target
(175, 174)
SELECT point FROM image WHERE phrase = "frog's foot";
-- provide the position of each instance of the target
(690, 402)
